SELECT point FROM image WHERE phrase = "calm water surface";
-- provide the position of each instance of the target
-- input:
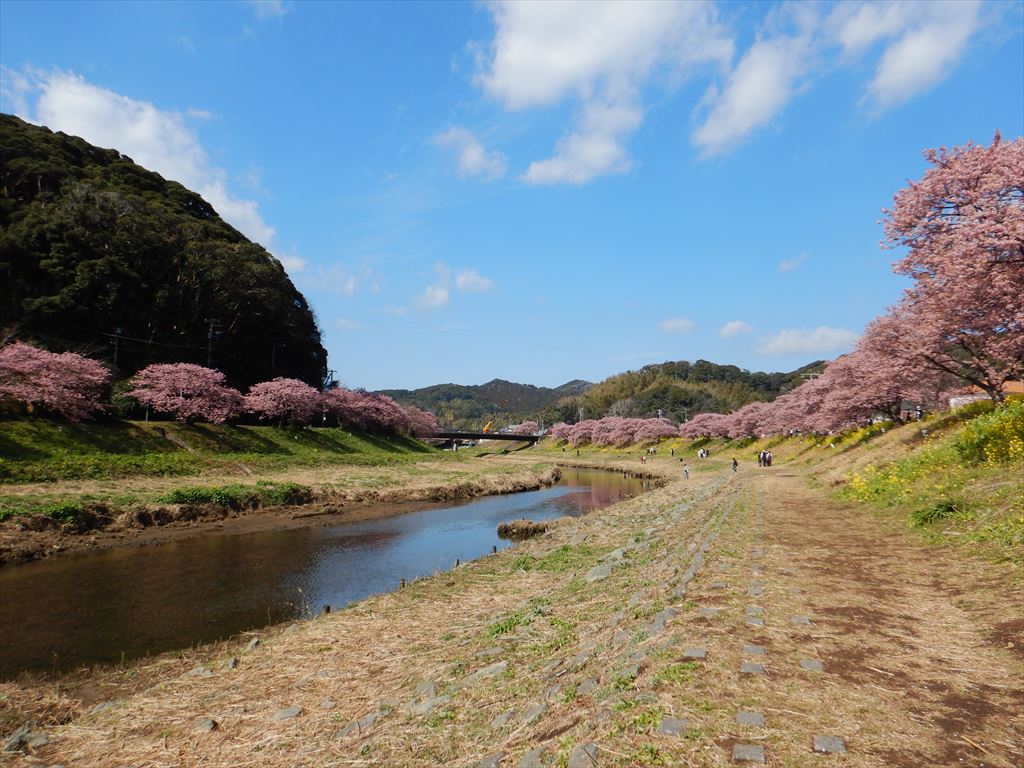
(105, 606)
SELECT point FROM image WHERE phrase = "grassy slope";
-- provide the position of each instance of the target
(956, 477)
(55, 456)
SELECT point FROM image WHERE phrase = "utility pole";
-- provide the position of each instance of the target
(210, 335)
(117, 337)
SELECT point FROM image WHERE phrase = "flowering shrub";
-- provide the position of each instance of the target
(67, 383)
(186, 391)
(283, 399)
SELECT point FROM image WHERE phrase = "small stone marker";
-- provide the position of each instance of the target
(748, 753)
(787, 571)
(811, 665)
(492, 760)
(672, 726)
(583, 756)
(231, 663)
(723, 567)
(533, 713)
(709, 613)
(799, 620)
(718, 585)
(425, 707)
(206, 724)
(533, 758)
(695, 653)
(496, 650)
(426, 690)
(755, 591)
(502, 720)
(287, 713)
(829, 744)
(750, 718)
(751, 668)
(199, 672)
(755, 610)
(598, 572)
(753, 622)
(757, 570)
(753, 650)
(253, 644)
(489, 671)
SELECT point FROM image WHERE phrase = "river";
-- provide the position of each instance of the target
(120, 604)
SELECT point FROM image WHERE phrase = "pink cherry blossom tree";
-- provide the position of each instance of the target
(421, 423)
(963, 226)
(67, 383)
(186, 391)
(526, 428)
(559, 431)
(287, 400)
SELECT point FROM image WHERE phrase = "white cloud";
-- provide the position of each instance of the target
(788, 265)
(599, 54)
(733, 328)
(821, 340)
(292, 263)
(159, 140)
(472, 281)
(594, 149)
(676, 325)
(439, 292)
(396, 311)
(761, 85)
(924, 55)
(926, 40)
(433, 296)
(473, 158)
(268, 9)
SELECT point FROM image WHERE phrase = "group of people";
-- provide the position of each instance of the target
(764, 459)
(703, 453)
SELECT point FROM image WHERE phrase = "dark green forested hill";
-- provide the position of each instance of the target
(91, 243)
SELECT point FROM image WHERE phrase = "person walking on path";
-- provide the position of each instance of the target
(686, 471)
(734, 465)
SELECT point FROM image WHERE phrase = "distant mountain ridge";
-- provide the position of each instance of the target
(472, 406)
(676, 389)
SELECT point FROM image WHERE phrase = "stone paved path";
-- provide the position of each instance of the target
(734, 620)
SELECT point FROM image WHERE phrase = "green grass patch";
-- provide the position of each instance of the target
(44, 450)
(565, 558)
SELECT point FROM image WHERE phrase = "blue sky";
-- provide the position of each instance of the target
(540, 191)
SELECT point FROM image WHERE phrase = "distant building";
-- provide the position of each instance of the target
(976, 394)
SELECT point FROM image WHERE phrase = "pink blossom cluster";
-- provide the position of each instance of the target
(186, 391)
(960, 324)
(71, 385)
(526, 428)
(613, 430)
(66, 383)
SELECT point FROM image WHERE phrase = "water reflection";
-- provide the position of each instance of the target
(127, 603)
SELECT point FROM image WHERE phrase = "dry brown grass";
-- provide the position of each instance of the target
(910, 676)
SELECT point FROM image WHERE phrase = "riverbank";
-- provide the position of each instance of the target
(323, 495)
(731, 614)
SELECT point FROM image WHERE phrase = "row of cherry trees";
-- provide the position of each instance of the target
(960, 323)
(613, 430)
(72, 385)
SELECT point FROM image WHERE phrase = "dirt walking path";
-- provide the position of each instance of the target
(731, 619)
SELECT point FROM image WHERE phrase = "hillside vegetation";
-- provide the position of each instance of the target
(679, 389)
(93, 246)
(472, 406)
